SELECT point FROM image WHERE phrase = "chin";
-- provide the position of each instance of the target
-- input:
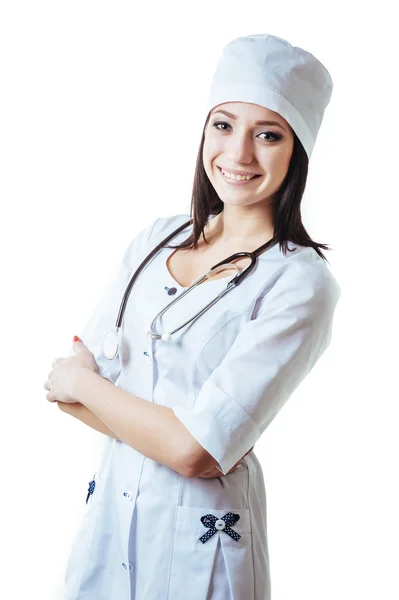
(234, 201)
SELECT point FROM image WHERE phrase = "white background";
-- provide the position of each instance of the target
(102, 109)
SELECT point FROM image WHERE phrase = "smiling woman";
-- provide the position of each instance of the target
(197, 393)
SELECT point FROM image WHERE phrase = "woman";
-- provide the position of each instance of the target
(191, 400)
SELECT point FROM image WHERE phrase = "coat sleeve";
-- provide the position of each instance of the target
(271, 355)
(105, 313)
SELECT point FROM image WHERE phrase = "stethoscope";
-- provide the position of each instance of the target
(112, 338)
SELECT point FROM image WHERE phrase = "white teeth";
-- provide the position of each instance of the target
(237, 177)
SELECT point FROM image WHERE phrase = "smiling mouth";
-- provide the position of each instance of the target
(236, 180)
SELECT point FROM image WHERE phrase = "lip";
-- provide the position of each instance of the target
(235, 172)
(236, 182)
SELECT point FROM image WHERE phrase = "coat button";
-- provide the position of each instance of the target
(220, 524)
(171, 291)
(128, 495)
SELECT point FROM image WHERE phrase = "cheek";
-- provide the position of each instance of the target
(212, 148)
(277, 164)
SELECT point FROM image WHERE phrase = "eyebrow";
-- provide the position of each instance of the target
(229, 114)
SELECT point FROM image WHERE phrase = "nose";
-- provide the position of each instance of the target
(241, 150)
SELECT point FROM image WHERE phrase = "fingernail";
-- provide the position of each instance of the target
(76, 339)
(238, 466)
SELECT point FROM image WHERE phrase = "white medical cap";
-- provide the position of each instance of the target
(267, 70)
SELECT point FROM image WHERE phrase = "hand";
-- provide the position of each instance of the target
(216, 473)
(61, 380)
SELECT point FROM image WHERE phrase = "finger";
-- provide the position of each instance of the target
(50, 397)
(78, 345)
(211, 474)
(216, 473)
(237, 466)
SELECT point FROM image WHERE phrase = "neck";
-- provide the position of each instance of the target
(235, 226)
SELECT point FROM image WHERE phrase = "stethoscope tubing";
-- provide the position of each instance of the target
(156, 336)
(141, 267)
(112, 349)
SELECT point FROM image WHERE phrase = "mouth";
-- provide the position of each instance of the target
(236, 181)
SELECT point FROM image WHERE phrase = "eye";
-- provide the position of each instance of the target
(275, 136)
(220, 123)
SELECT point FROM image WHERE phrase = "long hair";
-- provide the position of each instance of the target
(287, 218)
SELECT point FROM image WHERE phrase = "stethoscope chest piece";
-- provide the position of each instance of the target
(111, 343)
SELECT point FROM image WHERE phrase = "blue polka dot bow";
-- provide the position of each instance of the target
(92, 485)
(222, 524)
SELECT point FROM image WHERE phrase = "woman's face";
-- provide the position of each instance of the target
(235, 141)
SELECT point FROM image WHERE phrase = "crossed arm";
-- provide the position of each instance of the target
(151, 429)
(83, 414)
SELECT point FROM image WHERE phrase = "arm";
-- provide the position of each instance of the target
(81, 412)
(151, 429)
(287, 333)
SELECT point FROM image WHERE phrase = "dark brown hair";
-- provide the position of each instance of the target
(287, 218)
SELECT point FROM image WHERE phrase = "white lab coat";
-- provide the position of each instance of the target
(225, 376)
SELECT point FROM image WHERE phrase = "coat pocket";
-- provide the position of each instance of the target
(212, 555)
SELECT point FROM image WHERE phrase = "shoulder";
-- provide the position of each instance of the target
(300, 277)
(143, 242)
(165, 225)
